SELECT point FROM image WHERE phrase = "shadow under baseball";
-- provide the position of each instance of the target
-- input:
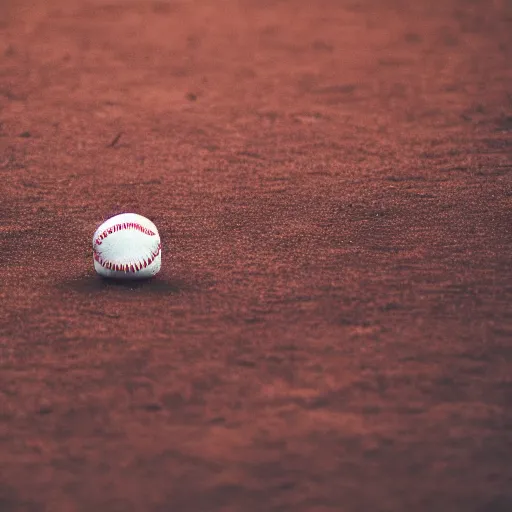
(151, 286)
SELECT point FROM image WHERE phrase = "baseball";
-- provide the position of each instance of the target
(127, 246)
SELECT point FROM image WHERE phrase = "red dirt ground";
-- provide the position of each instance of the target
(332, 327)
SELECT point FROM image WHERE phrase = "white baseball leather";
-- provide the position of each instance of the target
(127, 246)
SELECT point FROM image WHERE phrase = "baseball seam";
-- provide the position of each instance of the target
(119, 227)
(127, 267)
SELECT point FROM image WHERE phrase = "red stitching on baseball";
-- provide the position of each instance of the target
(127, 267)
(119, 227)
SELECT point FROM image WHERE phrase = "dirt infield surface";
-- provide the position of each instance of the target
(331, 330)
